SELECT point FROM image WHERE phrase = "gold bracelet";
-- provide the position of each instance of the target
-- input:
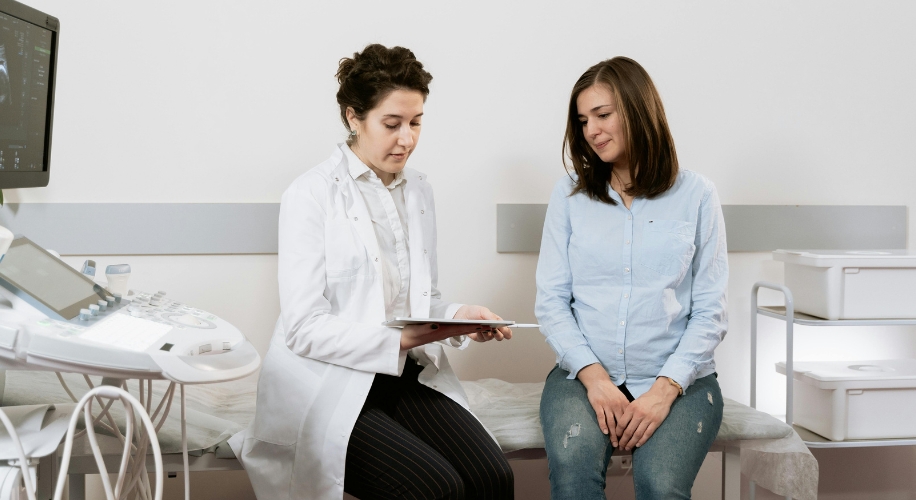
(680, 389)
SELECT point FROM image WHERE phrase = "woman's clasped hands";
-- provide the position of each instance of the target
(628, 424)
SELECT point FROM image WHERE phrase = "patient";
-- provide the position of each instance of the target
(631, 287)
(345, 403)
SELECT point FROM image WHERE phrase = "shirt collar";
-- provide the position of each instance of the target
(357, 169)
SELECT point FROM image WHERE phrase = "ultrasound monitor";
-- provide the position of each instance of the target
(46, 282)
(28, 63)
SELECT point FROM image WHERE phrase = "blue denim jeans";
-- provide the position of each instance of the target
(665, 467)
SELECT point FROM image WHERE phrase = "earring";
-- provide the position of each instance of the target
(352, 133)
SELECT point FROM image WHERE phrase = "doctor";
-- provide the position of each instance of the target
(344, 403)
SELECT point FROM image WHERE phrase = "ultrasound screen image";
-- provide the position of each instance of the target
(25, 71)
(6, 92)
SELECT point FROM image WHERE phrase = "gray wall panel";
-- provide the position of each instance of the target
(146, 228)
(519, 227)
(251, 228)
(751, 228)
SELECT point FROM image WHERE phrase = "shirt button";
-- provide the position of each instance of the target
(623, 323)
(424, 250)
(422, 211)
(628, 242)
(355, 218)
(629, 217)
(425, 294)
(626, 269)
(620, 351)
(626, 296)
(376, 259)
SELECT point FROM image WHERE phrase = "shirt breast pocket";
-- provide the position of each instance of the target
(668, 247)
(345, 254)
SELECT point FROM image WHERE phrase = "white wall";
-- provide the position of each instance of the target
(777, 102)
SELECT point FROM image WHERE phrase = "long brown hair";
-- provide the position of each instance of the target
(649, 146)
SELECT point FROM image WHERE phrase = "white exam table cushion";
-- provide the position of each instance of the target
(772, 454)
(217, 411)
(512, 413)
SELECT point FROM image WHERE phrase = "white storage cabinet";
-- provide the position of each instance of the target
(903, 389)
(843, 400)
(835, 284)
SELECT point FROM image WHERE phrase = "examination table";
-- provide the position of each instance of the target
(763, 448)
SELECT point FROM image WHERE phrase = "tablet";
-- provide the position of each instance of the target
(400, 322)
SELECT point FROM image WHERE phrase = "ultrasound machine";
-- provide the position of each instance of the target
(64, 320)
(56, 318)
(71, 323)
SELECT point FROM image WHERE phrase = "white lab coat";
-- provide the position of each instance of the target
(328, 343)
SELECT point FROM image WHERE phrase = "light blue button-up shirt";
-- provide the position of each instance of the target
(641, 291)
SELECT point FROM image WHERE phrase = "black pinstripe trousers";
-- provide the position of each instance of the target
(413, 442)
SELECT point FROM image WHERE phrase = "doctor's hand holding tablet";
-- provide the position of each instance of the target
(477, 322)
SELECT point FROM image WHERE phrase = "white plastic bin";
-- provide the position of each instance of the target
(843, 400)
(851, 284)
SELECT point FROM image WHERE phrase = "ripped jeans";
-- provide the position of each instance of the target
(665, 467)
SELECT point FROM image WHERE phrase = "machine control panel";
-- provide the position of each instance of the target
(138, 339)
(68, 322)
(138, 321)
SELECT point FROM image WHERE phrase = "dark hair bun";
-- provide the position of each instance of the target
(369, 76)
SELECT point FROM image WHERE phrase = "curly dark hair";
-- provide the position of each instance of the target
(369, 76)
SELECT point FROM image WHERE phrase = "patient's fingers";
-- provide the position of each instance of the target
(622, 423)
(602, 419)
(650, 429)
(638, 434)
(611, 424)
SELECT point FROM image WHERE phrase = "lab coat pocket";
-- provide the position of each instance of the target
(667, 247)
(286, 390)
(345, 254)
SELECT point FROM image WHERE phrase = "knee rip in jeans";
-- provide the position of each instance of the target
(700, 424)
(572, 432)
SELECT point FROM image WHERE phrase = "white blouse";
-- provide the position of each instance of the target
(387, 210)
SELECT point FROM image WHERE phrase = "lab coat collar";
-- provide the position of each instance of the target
(356, 209)
(357, 168)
